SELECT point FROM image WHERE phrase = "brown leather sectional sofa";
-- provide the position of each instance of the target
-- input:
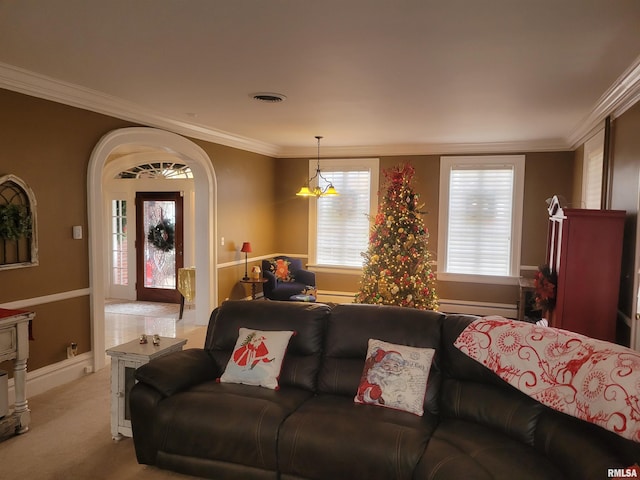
(474, 426)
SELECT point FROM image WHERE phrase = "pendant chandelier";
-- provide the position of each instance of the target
(317, 191)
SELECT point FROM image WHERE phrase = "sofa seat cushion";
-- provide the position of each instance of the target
(462, 449)
(232, 423)
(331, 437)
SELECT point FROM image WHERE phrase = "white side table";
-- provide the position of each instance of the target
(14, 345)
(125, 359)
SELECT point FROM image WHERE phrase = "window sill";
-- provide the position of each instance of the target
(470, 278)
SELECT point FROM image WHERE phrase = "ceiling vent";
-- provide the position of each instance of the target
(268, 97)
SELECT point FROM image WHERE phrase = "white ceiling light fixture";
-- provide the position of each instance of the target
(318, 191)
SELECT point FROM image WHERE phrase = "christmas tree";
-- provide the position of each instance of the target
(397, 269)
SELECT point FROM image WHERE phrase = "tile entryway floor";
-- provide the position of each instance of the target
(123, 327)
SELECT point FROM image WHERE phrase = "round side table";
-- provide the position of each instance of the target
(254, 282)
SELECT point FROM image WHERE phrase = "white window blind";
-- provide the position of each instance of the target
(342, 223)
(592, 171)
(480, 218)
(480, 212)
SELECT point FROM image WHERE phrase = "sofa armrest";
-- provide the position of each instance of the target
(271, 282)
(178, 371)
(143, 401)
(306, 276)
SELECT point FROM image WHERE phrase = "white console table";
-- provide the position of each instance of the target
(14, 345)
(125, 359)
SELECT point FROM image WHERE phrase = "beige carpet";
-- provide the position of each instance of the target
(70, 436)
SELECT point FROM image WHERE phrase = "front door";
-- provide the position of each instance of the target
(159, 242)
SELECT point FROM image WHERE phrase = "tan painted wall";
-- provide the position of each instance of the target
(291, 212)
(625, 187)
(546, 174)
(48, 145)
(245, 200)
(55, 326)
(245, 212)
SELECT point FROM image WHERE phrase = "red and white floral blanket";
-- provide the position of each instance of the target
(590, 379)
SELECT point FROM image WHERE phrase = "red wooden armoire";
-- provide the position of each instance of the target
(584, 249)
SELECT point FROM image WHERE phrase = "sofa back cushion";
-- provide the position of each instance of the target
(456, 364)
(581, 448)
(352, 325)
(504, 409)
(472, 392)
(591, 379)
(308, 321)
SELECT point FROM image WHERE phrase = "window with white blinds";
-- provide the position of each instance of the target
(592, 171)
(340, 225)
(480, 217)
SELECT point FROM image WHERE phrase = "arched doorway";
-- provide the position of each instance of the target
(205, 220)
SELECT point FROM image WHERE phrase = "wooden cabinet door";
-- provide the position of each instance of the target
(585, 250)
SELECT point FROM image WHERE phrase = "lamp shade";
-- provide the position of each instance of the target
(331, 191)
(246, 247)
(304, 192)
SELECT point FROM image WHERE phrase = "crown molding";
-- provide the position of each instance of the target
(621, 96)
(426, 149)
(41, 86)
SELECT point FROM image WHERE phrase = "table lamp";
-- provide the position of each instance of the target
(246, 248)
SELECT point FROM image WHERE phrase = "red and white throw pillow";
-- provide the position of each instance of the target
(257, 358)
(395, 376)
(590, 379)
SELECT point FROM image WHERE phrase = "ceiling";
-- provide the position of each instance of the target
(385, 77)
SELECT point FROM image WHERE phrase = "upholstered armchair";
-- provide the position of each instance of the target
(285, 278)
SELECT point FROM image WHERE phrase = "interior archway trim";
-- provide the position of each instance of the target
(205, 220)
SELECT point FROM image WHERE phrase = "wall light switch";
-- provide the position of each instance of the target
(222, 241)
(77, 232)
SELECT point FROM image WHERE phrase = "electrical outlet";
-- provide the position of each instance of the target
(222, 241)
(72, 350)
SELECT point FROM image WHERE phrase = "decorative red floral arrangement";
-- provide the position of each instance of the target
(545, 284)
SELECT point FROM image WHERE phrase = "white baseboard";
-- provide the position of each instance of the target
(478, 308)
(506, 310)
(447, 306)
(51, 376)
(328, 296)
